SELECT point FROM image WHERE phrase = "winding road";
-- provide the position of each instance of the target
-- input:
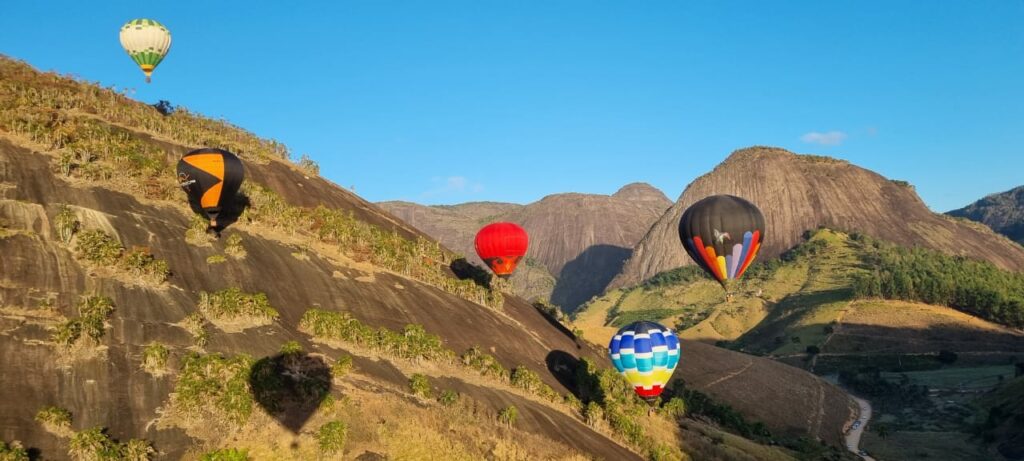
(853, 436)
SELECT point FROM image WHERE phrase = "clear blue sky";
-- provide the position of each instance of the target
(444, 102)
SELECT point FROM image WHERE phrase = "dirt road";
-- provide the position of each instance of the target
(853, 436)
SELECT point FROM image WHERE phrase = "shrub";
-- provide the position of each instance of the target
(626, 426)
(216, 259)
(291, 348)
(413, 343)
(99, 248)
(154, 357)
(309, 165)
(233, 303)
(419, 385)
(593, 414)
(233, 246)
(331, 437)
(198, 231)
(484, 363)
(215, 385)
(508, 415)
(675, 408)
(66, 224)
(528, 380)
(67, 333)
(140, 262)
(196, 325)
(13, 452)
(95, 445)
(54, 417)
(226, 454)
(342, 366)
(93, 312)
(448, 397)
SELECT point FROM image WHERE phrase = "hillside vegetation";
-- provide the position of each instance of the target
(317, 327)
(1003, 212)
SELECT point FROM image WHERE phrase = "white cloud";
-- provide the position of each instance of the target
(452, 185)
(831, 138)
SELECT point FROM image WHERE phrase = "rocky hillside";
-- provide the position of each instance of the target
(798, 193)
(1003, 212)
(316, 326)
(581, 240)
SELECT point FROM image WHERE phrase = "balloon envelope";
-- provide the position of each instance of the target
(722, 234)
(146, 42)
(501, 245)
(211, 177)
(646, 353)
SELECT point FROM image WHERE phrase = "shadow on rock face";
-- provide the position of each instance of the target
(290, 387)
(563, 366)
(464, 269)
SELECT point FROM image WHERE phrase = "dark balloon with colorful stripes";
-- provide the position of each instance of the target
(722, 234)
(211, 177)
(646, 353)
(501, 245)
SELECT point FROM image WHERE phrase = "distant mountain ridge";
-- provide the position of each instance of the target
(798, 193)
(1003, 212)
(578, 242)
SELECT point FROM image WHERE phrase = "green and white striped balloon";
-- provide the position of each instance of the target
(147, 42)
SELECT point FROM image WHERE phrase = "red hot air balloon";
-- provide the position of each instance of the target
(501, 245)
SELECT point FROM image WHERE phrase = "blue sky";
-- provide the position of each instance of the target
(445, 102)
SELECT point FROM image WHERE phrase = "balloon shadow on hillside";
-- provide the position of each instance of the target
(228, 215)
(465, 270)
(562, 366)
(588, 275)
(290, 387)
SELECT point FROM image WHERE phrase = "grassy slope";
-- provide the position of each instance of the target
(805, 302)
(143, 207)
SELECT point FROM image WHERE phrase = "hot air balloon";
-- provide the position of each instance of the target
(147, 42)
(211, 177)
(722, 234)
(646, 353)
(501, 245)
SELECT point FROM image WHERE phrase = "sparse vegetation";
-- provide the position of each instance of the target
(232, 303)
(103, 250)
(308, 165)
(342, 366)
(448, 397)
(93, 312)
(331, 437)
(420, 385)
(413, 343)
(154, 357)
(66, 224)
(225, 454)
(233, 246)
(95, 445)
(196, 325)
(530, 381)
(420, 259)
(215, 386)
(54, 419)
(198, 232)
(508, 415)
(216, 259)
(291, 348)
(13, 452)
(484, 363)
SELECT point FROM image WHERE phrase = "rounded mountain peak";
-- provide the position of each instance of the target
(642, 192)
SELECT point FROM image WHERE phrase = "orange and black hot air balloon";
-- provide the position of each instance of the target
(211, 177)
(501, 245)
(722, 234)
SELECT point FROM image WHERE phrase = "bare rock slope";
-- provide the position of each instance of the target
(798, 193)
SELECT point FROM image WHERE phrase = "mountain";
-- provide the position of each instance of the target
(1003, 212)
(798, 193)
(577, 241)
(316, 326)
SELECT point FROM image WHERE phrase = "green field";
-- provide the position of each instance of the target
(974, 378)
(932, 446)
